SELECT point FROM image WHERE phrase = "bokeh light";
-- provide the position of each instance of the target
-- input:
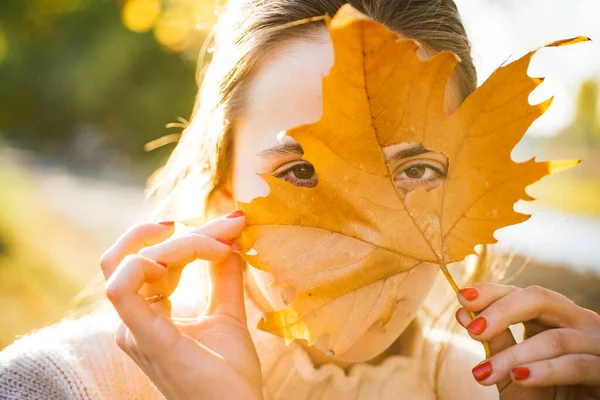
(174, 29)
(178, 25)
(140, 15)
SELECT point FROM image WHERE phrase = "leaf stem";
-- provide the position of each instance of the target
(486, 345)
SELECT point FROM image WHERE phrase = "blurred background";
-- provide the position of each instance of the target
(87, 86)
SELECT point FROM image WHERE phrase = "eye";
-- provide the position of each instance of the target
(415, 174)
(301, 174)
(419, 171)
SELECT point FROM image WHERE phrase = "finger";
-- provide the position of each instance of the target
(500, 342)
(533, 328)
(224, 228)
(162, 307)
(479, 296)
(122, 290)
(476, 298)
(570, 369)
(125, 340)
(182, 250)
(544, 346)
(533, 303)
(227, 288)
(132, 241)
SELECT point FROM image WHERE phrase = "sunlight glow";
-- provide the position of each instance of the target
(140, 15)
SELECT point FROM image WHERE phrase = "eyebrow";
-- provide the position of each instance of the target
(282, 149)
(293, 148)
(410, 152)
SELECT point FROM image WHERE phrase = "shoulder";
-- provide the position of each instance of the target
(458, 355)
(75, 359)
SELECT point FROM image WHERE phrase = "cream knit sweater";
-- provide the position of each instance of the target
(79, 360)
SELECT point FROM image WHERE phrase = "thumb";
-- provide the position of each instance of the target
(227, 288)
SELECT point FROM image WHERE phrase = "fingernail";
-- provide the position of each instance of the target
(167, 223)
(482, 371)
(235, 214)
(162, 264)
(477, 325)
(469, 293)
(521, 373)
(225, 241)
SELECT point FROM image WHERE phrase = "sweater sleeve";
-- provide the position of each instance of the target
(74, 360)
(31, 372)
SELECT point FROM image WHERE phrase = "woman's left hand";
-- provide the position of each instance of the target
(560, 356)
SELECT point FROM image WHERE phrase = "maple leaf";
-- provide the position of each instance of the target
(346, 244)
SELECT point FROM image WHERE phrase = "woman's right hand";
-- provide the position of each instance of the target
(211, 357)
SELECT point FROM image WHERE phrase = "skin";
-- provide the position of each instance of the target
(213, 357)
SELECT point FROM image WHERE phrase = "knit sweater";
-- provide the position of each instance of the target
(79, 359)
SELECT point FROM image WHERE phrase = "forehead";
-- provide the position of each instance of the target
(286, 89)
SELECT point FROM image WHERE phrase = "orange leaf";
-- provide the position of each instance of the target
(346, 244)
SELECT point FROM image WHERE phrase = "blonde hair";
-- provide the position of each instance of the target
(244, 36)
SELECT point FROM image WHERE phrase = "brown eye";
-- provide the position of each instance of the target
(416, 171)
(303, 171)
(424, 175)
(300, 174)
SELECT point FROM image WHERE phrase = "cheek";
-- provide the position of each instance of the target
(415, 289)
(246, 184)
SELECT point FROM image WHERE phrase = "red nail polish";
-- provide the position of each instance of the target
(469, 293)
(235, 214)
(162, 264)
(167, 223)
(477, 325)
(225, 241)
(521, 373)
(482, 371)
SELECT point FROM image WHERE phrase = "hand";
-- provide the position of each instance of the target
(560, 357)
(211, 357)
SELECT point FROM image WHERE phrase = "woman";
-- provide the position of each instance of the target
(265, 77)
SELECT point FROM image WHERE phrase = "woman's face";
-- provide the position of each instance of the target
(286, 92)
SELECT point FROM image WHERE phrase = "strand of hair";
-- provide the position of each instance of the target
(295, 23)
